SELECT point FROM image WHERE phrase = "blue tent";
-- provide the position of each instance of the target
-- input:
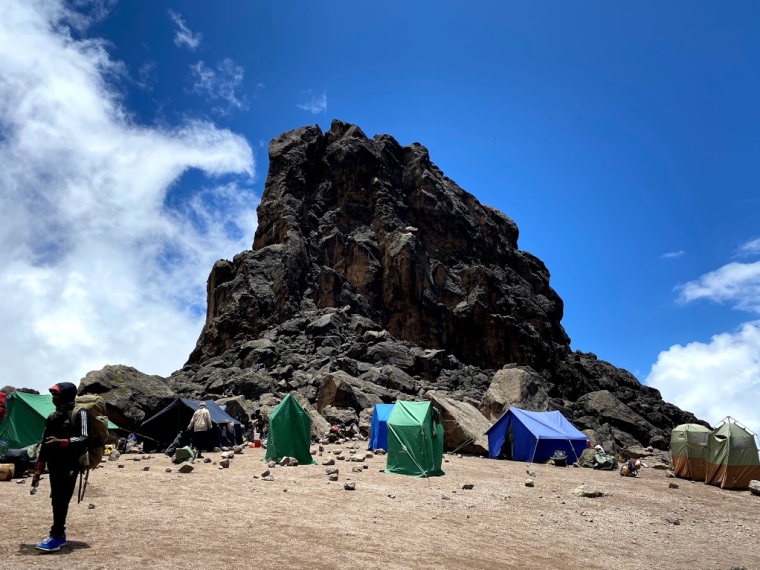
(378, 428)
(534, 436)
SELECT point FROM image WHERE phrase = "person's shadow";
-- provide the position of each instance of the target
(68, 548)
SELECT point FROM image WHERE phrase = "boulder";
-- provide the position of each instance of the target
(130, 395)
(518, 386)
(462, 423)
(627, 427)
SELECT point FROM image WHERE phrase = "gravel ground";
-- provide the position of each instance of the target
(225, 518)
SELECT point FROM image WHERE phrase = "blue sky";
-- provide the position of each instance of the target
(621, 139)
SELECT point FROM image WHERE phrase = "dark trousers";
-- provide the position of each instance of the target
(63, 480)
(201, 440)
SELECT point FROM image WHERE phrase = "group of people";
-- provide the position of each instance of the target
(205, 435)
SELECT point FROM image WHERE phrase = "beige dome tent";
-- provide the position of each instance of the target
(731, 458)
(688, 444)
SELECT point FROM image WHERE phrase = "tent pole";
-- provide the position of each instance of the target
(571, 447)
(534, 450)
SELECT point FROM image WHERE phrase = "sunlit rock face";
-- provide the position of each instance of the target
(370, 262)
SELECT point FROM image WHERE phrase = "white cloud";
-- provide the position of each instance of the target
(736, 283)
(184, 36)
(219, 84)
(673, 254)
(752, 247)
(95, 268)
(316, 103)
(714, 379)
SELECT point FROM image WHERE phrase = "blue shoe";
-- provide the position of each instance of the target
(51, 544)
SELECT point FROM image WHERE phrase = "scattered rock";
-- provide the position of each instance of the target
(350, 486)
(672, 485)
(468, 486)
(529, 483)
(330, 461)
(266, 473)
(90, 506)
(333, 477)
(238, 450)
(293, 462)
(669, 474)
(340, 458)
(391, 496)
(206, 460)
(445, 498)
(357, 469)
(357, 458)
(587, 491)
(168, 469)
(673, 520)
(224, 463)
(114, 455)
(120, 466)
(146, 468)
(332, 470)
(530, 473)
(185, 468)
(267, 478)
(754, 487)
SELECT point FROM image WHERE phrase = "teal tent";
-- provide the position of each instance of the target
(26, 417)
(415, 440)
(289, 432)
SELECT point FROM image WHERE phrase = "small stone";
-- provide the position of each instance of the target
(350, 486)
(754, 487)
(379, 452)
(340, 458)
(369, 455)
(333, 477)
(271, 464)
(21, 481)
(238, 450)
(459, 455)
(284, 461)
(365, 466)
(267, 478)
(146, 468)
(321, 448)
(530, 473)
(330, 461)
(224, 463)
(673, 520)
(357, 469)
(331, 470)
(338, 452)
(284, 490)
(206, 460)
(91, 506)
(587, 491)
(168, 469)
(391, 496)
(445, 497)
(293, 462)
(672, 485)
(357, 458)
(266, 473)
(185, 468)
(669, 474)
(468, 486)
(529, 483)
(120, 466)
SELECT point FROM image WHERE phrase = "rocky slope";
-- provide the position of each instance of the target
(373, 276)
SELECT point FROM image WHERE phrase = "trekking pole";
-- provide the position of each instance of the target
(84, 475)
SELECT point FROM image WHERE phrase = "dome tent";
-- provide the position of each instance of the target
(289, 432)
(688, 444)
(415, 440)
(378, 428)
(731, 458)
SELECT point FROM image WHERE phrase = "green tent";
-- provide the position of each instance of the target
(415, 440)
(26, 417)
(688, 443)
(731, 458)
(289, 432)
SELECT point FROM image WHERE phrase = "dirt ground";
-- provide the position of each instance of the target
(225, 518)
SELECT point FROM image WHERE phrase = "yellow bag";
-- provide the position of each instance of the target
(7, 470)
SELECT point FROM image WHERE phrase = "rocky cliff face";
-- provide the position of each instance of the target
(372, 271)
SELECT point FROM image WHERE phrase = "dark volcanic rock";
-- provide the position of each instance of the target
(130, 395)
(374, 277)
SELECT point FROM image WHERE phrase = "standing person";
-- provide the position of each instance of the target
(200, 424)
(63, 442)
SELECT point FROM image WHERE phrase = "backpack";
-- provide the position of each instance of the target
(95, 407)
